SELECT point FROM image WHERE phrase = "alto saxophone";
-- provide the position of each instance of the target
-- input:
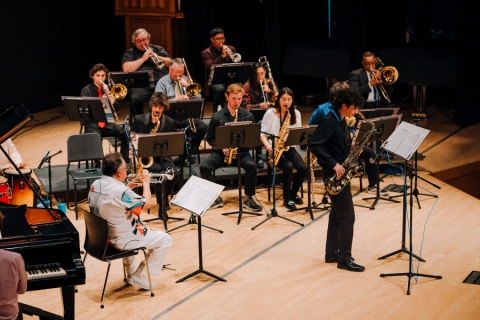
(282, 137)
(232, 153)
(335, 184)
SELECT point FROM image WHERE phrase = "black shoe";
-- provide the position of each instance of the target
(259, 163)
(290, 204)
(193, 159)
(218, 203)
(250, 204)
(350, 266)
(334, 259)
(297, 200)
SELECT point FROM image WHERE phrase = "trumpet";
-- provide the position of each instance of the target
(158, 62)
(269, 78)
(193, 89)
(154, 177)
(236, 57)
(119, 91)
(107, 92)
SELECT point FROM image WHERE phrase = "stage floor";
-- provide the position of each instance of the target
(278, 270)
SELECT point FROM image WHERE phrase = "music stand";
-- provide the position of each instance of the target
(406, 127)
(384, 127)
(258, 114)
(161, 145)
(135, 79)
(378, 112)
(299, 136)
(238, 135)
(85, 109)
(228, 73)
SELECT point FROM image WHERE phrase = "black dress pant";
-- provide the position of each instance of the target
(111, 130)
(197, 137)
(291, 159)
(216, 160)
(340, 226)
(169, 184)
(139, 97)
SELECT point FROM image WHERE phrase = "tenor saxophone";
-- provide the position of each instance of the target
(144, 163)
(282, 137)
(232, 153)
(335, 184)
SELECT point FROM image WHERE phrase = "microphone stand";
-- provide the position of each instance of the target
(273, 211)
(47, 159)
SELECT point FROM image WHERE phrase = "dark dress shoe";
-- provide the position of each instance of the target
(290, 204)
(350, 266)
(334, 259)
(259, 163)
(298, 200)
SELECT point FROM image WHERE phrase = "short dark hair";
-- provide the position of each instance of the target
(96, 68)
(348, 97)
(1, 220)
(215, 31)
(111, 163)
(159, 98)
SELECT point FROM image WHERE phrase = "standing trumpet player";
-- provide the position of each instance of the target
(144, 56)
(216, 53)
(98, 88)
(365, 80)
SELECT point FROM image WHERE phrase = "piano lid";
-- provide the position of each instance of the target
(15, 223)
(12, 120)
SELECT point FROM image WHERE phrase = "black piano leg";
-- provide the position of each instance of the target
(68, 296)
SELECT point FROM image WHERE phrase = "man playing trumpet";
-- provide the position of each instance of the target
(98, 88)
(142, 56)
(174, 85)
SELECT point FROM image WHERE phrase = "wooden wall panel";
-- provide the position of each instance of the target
(160, 29)
(145, 7)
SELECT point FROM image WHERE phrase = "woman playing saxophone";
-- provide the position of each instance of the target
(277, 121)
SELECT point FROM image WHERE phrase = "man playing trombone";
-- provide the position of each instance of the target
(98, 88)
(216, 53)
(367, 80)
(174, 85)
(144, 56)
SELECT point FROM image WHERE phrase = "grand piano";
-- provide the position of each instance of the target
(44, 237)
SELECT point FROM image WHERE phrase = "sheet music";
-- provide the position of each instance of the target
(197, 195)
(405, 140)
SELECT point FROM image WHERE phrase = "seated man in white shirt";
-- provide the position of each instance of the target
(114, 201)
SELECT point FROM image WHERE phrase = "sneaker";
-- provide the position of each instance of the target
(373, 190)
(251, 205)
(218, 203)
(259, 163)
(140, 281)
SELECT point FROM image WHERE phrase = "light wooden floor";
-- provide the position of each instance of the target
(277, 271)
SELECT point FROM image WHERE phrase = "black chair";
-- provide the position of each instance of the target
(96, 245)
(83, 147)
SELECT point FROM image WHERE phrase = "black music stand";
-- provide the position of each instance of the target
(161, 145)
(135, 79)
(377, 113)
(238, 136)
(258, 114)
(273, 211)
(299, 136)
(384, 127)
(85, 109)
(228, 73)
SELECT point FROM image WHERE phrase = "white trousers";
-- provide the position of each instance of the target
(157, 244)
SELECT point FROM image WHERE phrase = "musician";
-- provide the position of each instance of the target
(169, 85)
(147, 123)
(272, 122)
(12, 152)
(13, 281)
(257, 96)
(216, 53)
(98, 88)
(233, 94)
(114, 201)
(366, 83)
(330, 143)
(139, 57)
(367, 152)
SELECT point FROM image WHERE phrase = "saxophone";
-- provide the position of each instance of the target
(143, 163)
(310, 165)
(334, 184)
(232, 154)
(279, 148)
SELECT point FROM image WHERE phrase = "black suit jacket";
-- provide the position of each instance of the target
(358, 80)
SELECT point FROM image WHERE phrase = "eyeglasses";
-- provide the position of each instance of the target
(141, 40)
(219, 38)
(123, 168)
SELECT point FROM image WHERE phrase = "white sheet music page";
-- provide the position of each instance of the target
(197, 195)
(405, 140)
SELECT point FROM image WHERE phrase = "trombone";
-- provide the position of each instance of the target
(193, 89)
(388, 75)
(107, 92)
(269, 78)
(118, 91)
(158, 62)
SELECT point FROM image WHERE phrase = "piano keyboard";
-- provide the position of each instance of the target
(49, 270)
